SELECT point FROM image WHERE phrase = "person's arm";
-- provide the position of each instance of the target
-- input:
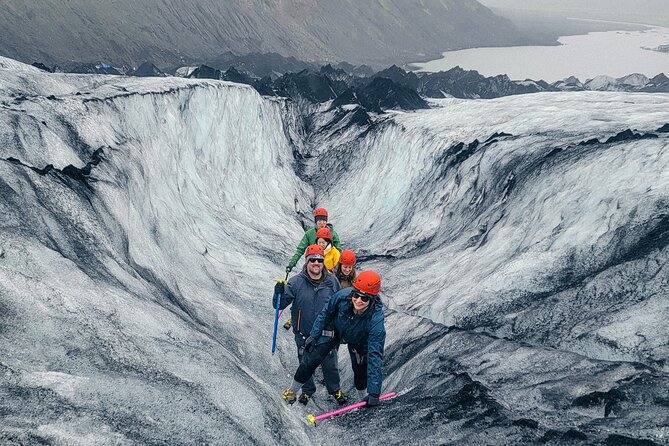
(335, 257)
(287, 297)
(299, 251)
(375, 345)
(336, 286)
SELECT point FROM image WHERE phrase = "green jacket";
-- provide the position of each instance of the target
(309, 238)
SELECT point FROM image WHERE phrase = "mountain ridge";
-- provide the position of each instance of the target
(173, 32)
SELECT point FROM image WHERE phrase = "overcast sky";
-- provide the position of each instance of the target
(650, 12)
(604, 7)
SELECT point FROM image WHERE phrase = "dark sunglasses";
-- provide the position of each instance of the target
(316, 260)
(362, 297)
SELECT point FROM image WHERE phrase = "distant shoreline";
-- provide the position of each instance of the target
(612, 53)
(616, 22)
(547, 42)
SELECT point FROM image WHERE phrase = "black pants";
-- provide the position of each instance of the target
(359, 366)
(328, 365)
(310, 361)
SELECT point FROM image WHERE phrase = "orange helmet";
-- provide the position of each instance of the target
(368, 282)
(314, 250)
(324, 233)
(320, 214)
(347, 257)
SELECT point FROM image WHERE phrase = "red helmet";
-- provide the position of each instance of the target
(324, 233)
(368, 282)
(314, 249)
(321, 212)
(347, 257)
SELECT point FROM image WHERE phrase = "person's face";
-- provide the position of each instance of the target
(346, 269)
(315, 266)
(358, 303)
(322, 243)
(320, 224)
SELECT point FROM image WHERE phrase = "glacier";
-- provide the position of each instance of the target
(522, 243)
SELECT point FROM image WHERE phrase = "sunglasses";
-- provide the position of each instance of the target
(316, 260)
(362, 297)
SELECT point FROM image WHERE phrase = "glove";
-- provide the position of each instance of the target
(309, 344)
(279, 288)
(372, 400)
(289, 269)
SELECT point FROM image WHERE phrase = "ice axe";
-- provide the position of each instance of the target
(277, 314)
(312, 419)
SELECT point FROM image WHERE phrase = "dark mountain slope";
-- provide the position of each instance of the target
(177, 32)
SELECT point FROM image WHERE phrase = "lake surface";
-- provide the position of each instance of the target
(613, 53)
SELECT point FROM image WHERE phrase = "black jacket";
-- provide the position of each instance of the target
(308, 297)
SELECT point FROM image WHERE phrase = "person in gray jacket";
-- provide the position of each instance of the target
(308, 292)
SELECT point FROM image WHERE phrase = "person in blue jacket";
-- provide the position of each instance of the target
(353, 315)
(307, 293)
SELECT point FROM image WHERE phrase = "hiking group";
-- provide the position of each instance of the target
(332, 304)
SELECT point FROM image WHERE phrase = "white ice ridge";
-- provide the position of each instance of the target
(152, 279)
(471, 236)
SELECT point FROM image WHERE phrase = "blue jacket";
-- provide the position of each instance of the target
(365, 332)
(307, 297)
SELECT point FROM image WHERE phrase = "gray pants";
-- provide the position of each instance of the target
(329, 367)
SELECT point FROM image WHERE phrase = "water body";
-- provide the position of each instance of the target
(613, 53)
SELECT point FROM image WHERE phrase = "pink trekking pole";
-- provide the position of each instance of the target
(312, 419)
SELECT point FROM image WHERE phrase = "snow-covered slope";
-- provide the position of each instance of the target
(519, 219)
(523, 259)
(133, 302)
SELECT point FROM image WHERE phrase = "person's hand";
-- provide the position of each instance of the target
(279, 288)
(372, 400)
(309, 344)
(289, 269)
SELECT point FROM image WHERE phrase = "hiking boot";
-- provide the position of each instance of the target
(340, 397)
(361, 394)
(288, 324)
(304, 398)
(289, 396)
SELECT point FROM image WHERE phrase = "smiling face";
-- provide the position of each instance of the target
(322, 243)
(320, 224)
(359, 305)
(347, 269)
(314, 268)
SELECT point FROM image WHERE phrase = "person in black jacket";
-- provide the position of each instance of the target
(308, 292)
(355, 316)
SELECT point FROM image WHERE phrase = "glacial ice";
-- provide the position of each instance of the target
(525, 273)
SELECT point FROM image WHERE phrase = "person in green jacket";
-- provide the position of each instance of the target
(309, 238)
